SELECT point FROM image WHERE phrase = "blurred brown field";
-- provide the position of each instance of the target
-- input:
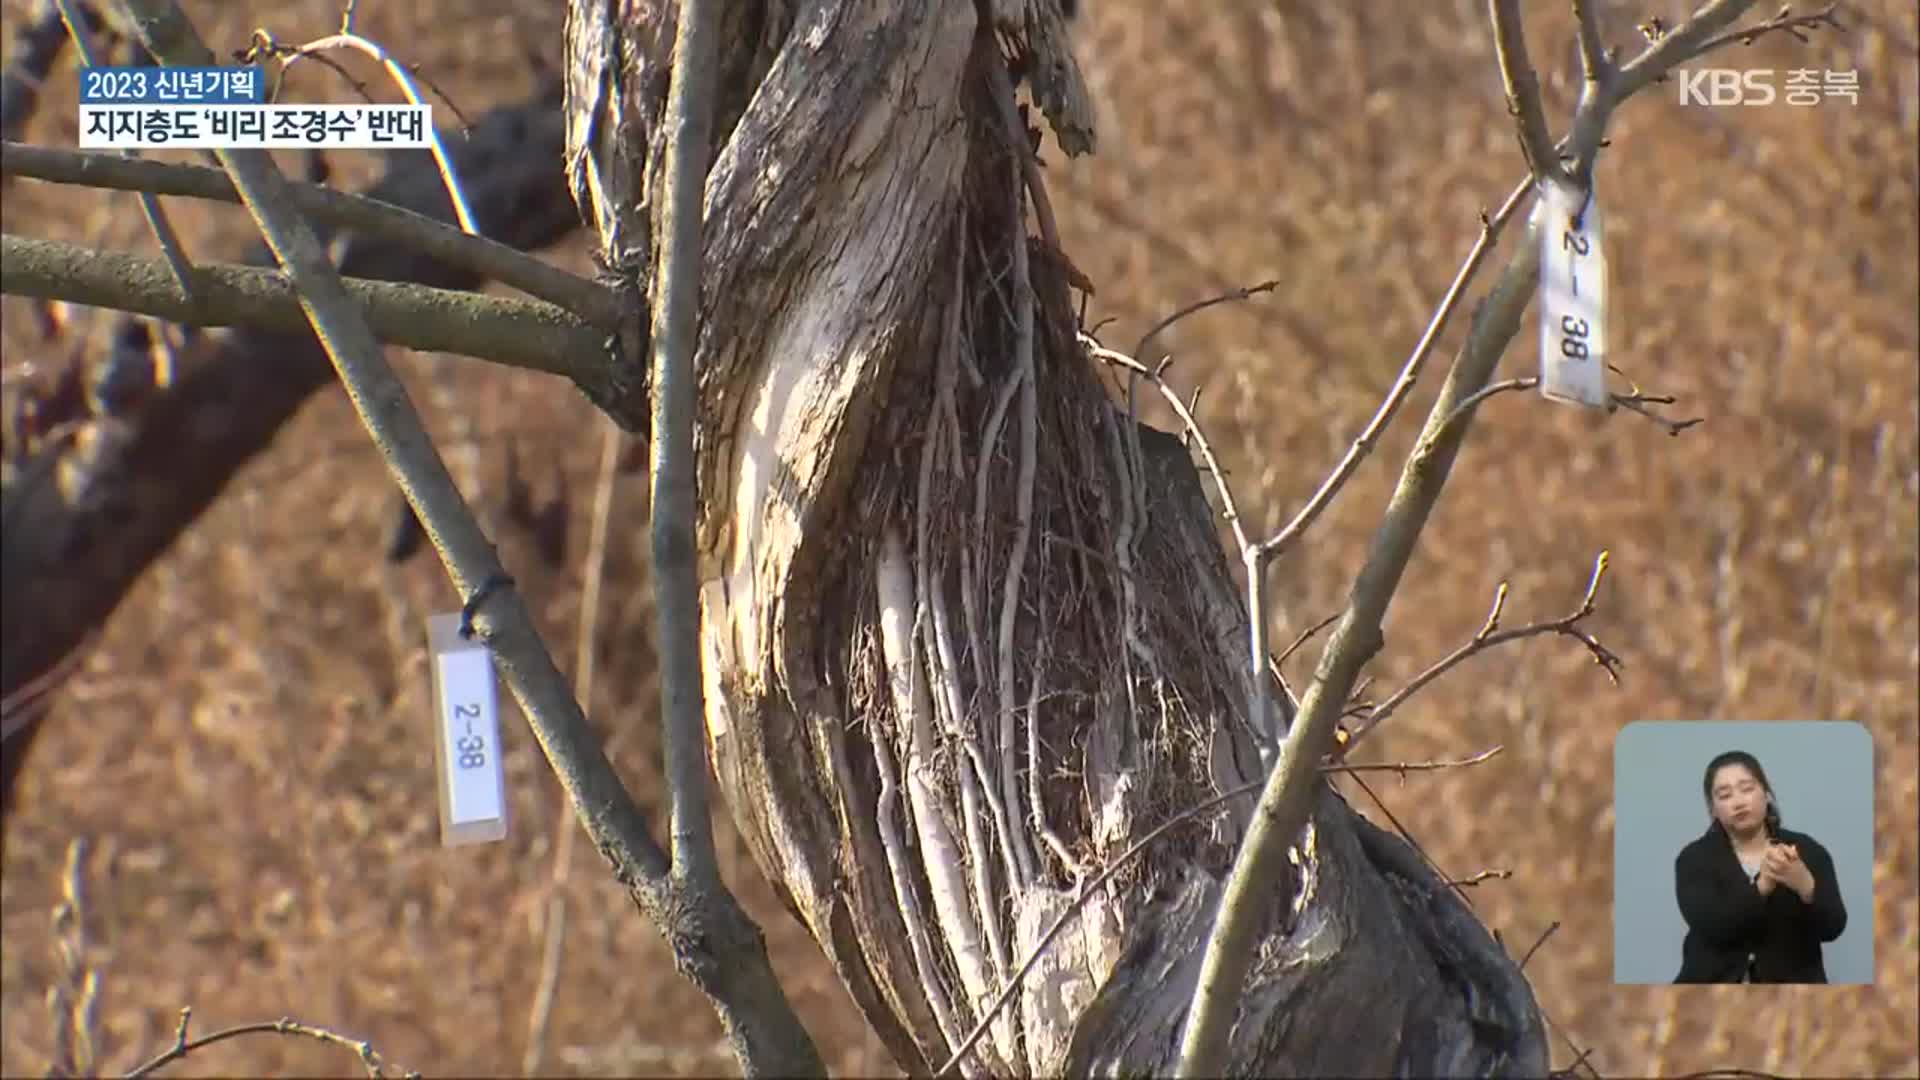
(245, 752)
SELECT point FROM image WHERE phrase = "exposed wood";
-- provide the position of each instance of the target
(868, 447)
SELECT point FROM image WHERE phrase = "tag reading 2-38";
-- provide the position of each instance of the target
(1573, 298)
(472, 782)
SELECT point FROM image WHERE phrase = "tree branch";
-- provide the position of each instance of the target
(520, 333)
(1256, 875)
(77, 20)
(1259, 868)
(1523, 89)
(73, 551)
(1490, 228)
(488, 258)
(608, 812)
(1596, 66)
(676, 334)
(1490, 635)
(713, 941)
(182, 1046)
(1696, 36)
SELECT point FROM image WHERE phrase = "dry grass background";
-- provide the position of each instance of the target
(245, 751)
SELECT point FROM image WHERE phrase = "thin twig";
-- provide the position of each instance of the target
(25, 704)
(1491, 635)
(1490, 227)
(592, 302)
(1188, 421)
(1544, 935)
(75, 997)
(1246, 292)
(1637, 403)
(1634, 401)
(182, 1046)
(1479, 876)
(1303, 638)
(1405, 767)
(586, 635)
(1784, 22)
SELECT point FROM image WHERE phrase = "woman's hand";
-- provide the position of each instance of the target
(1782, 865)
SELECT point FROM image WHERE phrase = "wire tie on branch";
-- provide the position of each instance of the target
(492, 584)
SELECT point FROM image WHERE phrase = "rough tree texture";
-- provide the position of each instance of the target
(969, 629)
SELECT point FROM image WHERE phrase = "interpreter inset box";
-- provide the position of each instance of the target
(1743, 853)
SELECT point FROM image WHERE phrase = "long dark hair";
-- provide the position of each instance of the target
(1752, 764)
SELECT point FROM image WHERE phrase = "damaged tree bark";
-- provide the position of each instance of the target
(968, 630)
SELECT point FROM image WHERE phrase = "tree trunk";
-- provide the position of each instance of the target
(969, 629)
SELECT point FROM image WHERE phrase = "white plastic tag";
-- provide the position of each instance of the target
(466, 745)
(1573, 298)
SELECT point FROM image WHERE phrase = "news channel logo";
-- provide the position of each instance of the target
(1749, 87)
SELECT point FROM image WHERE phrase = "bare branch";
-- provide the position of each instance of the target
(676, 334)
(1304, 637)
(1259, 868)
(1490, 228)
(1405, 767)
(488, 258)
(73, 551)
(1542, 940)
(609, 813)
(370, 1058)
(1523, 90)
(1187, 420)
(528, 334)
(1491, 635)
(1256, 882)
(1783, 22)
(1479, 876)
(1596, 65)
(1633, 401)
(1246, 292)
(75, 997)
(1702, 33)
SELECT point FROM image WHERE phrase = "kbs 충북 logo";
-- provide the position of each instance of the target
(1763, 86)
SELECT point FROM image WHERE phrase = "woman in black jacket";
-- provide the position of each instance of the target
(1758, 899)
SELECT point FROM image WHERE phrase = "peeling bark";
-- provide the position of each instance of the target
(923, 510)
